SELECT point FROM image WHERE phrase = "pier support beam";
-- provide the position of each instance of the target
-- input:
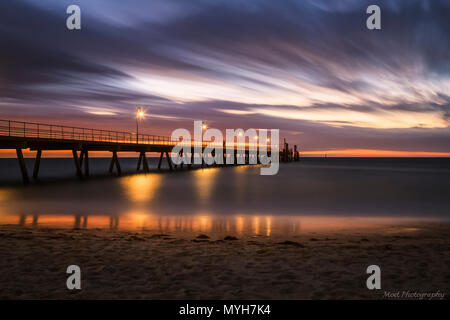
(146, 167)
(86, 163)
(37, 163)
(213, 155)
(23, 168)
(160, 160)
(81, 159)
(139, 162)
(192, 160)
(169, 161)
(143, 160)
(286, 152)
(77, 164)
(202, 156)
(115, 162)
(181, 157)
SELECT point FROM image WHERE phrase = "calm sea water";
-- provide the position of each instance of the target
(313, 192)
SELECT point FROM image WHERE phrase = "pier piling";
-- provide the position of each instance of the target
(77, 164)
(23, 167)
(37, 163)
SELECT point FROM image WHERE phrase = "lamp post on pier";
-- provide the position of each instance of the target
(139, 115)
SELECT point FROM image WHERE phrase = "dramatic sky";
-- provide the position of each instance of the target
(308, 67)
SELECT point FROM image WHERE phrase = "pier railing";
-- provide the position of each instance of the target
(32, 130)
(57, 132)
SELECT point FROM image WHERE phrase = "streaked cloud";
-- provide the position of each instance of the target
(100, 111)
(303, 66)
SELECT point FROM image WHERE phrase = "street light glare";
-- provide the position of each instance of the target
(204, 126)
(139, 115)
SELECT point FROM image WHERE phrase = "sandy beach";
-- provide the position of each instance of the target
(179, 265)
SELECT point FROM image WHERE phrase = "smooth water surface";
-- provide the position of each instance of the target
(332, 192)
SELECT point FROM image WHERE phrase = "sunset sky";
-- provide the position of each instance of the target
(310, 68)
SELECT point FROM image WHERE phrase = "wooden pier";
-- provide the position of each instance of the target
(40, 137)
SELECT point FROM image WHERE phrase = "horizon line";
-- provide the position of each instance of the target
(337, 153)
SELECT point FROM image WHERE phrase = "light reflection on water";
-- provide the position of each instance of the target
(235, 225)
(141, 188)
(204, 183)
(235, 200)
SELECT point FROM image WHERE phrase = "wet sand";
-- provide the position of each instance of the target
(179, 265)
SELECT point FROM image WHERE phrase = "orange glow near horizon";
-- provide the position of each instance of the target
(373, 153)
(236, 225)
(11, 153)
